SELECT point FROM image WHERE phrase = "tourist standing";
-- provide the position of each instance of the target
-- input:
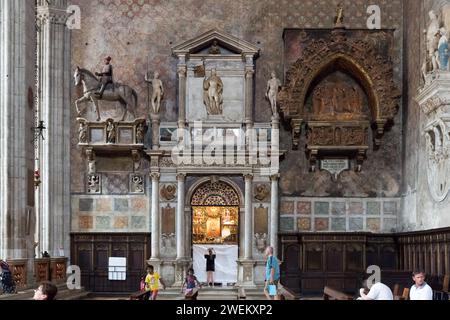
(7, 282)
(152, 282)
(210, 257)
(272, 275)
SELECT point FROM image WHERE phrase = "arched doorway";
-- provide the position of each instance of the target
(216, 209)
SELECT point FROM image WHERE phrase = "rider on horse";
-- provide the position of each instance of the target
(106, 76)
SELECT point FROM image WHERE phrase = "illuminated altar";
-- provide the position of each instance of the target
(215, 225)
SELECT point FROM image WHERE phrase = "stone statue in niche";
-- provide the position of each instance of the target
(432, 33)
(111, 132)
(82, 133)
(337, 101)
(158, 92)
(215, 49)
(140, 133)
(92, 167)
(213, 94)
(443, 50)
(273, 89)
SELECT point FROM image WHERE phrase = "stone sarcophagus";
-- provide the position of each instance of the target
(110, 134)
(339, 86)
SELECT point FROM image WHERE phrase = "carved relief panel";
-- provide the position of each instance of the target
(339, 84)
(434, 101)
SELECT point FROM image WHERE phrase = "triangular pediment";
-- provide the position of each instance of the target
(227, 44)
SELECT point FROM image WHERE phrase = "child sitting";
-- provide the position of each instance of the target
(191, 284)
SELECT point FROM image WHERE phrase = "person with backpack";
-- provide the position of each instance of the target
(272, 276)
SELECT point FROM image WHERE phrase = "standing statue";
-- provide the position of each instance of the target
(213, 94)
(82, 133)
(339, 20)
(111, 132)
(273, 88)
(106, 76)
(443, 49)
(140, 133)
(158, 92)
(432, 40)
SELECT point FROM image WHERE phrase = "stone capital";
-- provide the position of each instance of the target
(275, 177)
(182, 71)
(181, 177)
(248, 177)
(156, 176)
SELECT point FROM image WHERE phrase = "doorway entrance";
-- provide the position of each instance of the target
(215, 225)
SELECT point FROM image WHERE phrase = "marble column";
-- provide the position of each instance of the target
(17, 88)
(156, 230)
(248, 218)
(274, 213)
(55, 110)
(180, 220)
(249, 85)
(182, 83)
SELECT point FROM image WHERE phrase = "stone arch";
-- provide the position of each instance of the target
(223, 192)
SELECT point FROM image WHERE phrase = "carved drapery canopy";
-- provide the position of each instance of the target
(363, 55)
(215, 194)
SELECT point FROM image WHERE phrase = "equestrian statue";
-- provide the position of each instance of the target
(104, 89)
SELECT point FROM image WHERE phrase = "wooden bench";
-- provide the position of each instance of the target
(444, 293)
(332, 294)
(286, 294)
(141, 295)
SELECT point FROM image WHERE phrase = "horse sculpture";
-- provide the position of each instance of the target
(125, 95)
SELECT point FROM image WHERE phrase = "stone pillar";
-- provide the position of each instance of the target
(54, 108)
(274, 213)
(156, 232)
(249, 85)
(248, 218)
(17, 89)
(180, 220)
(156, 121)
(182, 74)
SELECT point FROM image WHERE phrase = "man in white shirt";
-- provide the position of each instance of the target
(421, 290)
(379, 291)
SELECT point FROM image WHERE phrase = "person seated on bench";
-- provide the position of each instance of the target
(420, 290)
(378, 291)
(192, 285)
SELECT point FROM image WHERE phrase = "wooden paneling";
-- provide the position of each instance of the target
(92, 252)
(339, 259)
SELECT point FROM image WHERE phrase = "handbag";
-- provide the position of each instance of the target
(272, 290)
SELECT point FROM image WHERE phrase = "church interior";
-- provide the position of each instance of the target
(146, 132)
